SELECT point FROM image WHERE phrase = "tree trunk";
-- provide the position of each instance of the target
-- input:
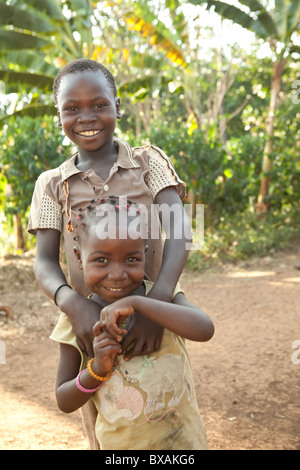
(278, 67)
(19, 236)
(191, 199)
(222, 124)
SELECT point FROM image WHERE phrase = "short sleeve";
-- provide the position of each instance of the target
(162, 173)
(45, 210)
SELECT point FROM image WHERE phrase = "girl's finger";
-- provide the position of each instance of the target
(102, 341)
(117, 333)
(98, 327)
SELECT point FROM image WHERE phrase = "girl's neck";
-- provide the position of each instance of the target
(102, 158)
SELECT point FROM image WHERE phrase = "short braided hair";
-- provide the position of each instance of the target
(83, 65)
(91, 215)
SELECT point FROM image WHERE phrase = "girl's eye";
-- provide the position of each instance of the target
(99, 106)
(71, 109)
(102, 260)
(132, 259)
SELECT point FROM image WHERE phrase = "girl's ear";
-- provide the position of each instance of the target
(77, 252)
(118, 107)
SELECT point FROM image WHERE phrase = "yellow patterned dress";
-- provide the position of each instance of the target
(149, 403)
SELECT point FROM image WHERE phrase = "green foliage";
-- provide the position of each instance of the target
(278, 21)
(222, 178)
(244, 235)
(28, 147)
(177, 104)
(284, 191)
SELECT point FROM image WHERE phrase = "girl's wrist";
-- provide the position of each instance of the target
(88, 382)
(97, 371)
(67, 299)
(58, 292)
(135, 300)
(84, 388)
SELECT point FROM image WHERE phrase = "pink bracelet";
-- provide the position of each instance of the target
(85, 390)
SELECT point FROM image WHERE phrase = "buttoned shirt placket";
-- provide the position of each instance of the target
(97, 184)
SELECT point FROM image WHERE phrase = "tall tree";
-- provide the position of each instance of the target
(36, 39)
(32, 33)
(186, 72)
(274, 22)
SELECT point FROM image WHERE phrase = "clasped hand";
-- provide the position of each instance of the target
(141, 335)
(108, 334)
(114, 315)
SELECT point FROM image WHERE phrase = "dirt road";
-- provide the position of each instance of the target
(247, 377)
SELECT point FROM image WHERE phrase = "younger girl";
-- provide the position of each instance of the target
(148, 402)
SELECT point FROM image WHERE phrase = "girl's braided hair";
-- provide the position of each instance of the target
(97, 210)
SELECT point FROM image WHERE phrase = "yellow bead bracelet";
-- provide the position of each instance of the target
(95, 376)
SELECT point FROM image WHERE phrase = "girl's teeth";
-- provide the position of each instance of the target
(88, 133)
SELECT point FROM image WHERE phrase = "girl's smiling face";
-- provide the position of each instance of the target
(87, 109)
(112, 268)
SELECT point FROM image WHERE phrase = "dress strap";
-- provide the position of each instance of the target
(68, 210)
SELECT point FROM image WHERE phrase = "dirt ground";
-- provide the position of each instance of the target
(247, 377)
